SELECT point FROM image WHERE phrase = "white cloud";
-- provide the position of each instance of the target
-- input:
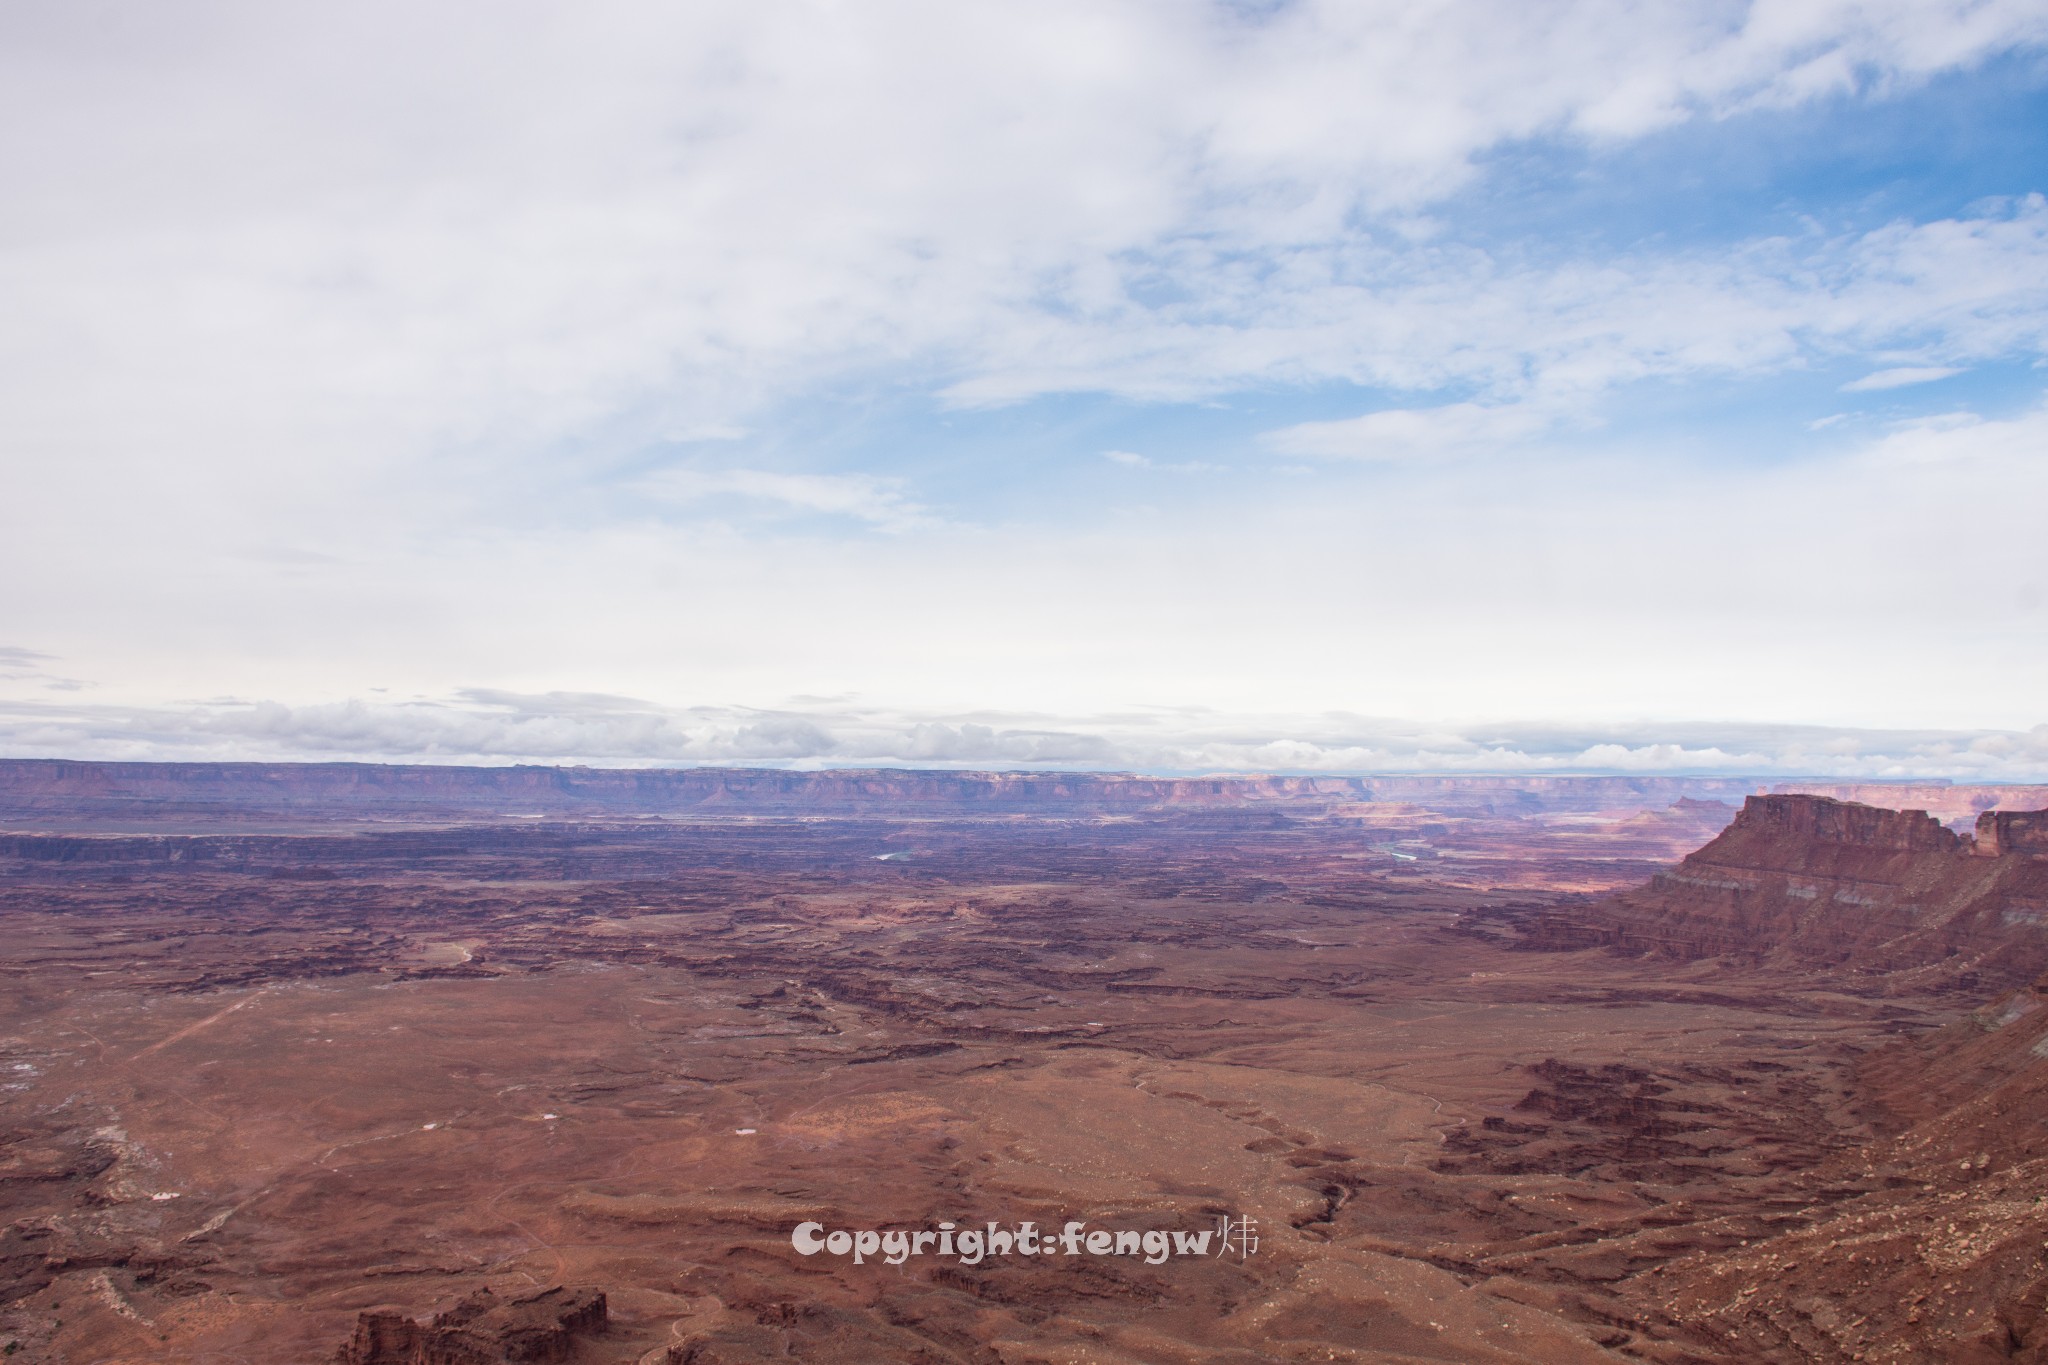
(877, 501)
(1132, 460)
(281, 253)
(1576, 588)
(1409, 433)
(1963, 440)
(567, 729)
(1561, 336)
(326, 334)
(1900, 378)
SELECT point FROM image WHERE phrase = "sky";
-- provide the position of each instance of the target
(1282, 386)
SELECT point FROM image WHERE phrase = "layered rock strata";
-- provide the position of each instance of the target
(1818, 882)
(534, 1329)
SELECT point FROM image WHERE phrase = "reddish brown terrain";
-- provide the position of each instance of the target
(457, 1066)
(1858, 890)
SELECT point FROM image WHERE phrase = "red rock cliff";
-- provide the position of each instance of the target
(1946, 801)
(2012, 831)
(1810, 881)
(483, 1329)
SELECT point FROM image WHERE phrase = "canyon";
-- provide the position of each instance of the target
(454, 1065)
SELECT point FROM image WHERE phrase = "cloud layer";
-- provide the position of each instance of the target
(379, 235)
(486, 727)
(717, 355)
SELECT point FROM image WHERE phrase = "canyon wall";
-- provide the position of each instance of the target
(46, 791)
(1950, 802)
(30, 788)
(1816, 882)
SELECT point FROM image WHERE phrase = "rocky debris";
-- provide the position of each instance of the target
(483, 1329)
(1982, 1081)
(1936, 1253)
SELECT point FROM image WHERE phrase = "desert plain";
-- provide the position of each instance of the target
(293, 1060)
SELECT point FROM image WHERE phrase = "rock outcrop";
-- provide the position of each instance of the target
(1949, 802)
(1811, 881)
(2011, 831)
(483, 1329)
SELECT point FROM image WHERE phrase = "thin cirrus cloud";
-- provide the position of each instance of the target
(1901, 377)
(1131, 459)
(867, 499)
(1410, 433)
(1549, 345)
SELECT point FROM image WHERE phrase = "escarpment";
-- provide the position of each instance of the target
(39, 791)
(1812, 881)
(481, 1330)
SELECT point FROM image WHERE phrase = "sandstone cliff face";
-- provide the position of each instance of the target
(2010, 831)
(1945, 801)
(481, 1330)
(1811, 881)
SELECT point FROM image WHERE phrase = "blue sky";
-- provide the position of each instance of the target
(1306, 386)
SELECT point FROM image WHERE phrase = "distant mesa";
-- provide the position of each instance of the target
(1813, 881)
(50, 791)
